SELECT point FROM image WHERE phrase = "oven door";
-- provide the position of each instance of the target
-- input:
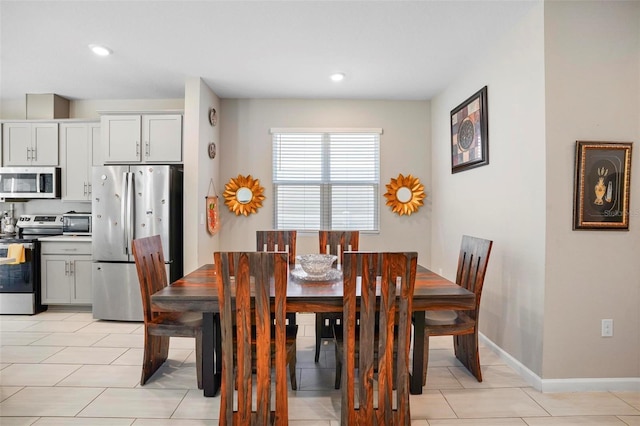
(21, 277)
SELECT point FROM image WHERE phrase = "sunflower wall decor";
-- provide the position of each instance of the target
(405, 194)
(243, 195)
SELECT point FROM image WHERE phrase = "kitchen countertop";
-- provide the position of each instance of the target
(67, 238)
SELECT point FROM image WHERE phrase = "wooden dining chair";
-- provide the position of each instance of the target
(462, 325)
(250, 340)
(160, 326)
(380, 340)
(279, 240)
(332, 242)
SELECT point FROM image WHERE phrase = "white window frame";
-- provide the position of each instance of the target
(325, 183)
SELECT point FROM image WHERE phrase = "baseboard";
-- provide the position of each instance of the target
(562, 385)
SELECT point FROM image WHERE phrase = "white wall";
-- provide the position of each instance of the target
(592, 54)
(199, 170)
(505, 200)
(404, 148)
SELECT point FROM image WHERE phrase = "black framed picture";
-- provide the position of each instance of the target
(601, 185)
(470, 133)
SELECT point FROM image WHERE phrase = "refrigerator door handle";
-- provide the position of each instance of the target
(123, 209)
(130, 211)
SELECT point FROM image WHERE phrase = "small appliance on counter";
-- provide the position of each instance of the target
(20, 281)
(74, 223)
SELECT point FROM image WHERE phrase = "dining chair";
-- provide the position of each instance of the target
(160, 326)
(250, 339)
(380, 340)
(332, 242)
(462, 325)
(279, 240)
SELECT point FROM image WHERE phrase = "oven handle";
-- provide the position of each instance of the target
(27, 246)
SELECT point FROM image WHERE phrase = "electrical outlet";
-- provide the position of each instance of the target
(607, 328)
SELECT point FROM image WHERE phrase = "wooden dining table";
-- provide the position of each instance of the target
(197, 292)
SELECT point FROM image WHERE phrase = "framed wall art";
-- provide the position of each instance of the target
(601, 185)
(470, 133)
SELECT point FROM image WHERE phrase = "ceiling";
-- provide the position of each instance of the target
(398, 50)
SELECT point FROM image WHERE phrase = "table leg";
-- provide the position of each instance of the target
(418, 353)
(211, 357)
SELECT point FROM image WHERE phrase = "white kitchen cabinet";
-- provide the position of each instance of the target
(151, 138)
(30, 144)
(77, 145)
(66, 273)
(96, 143)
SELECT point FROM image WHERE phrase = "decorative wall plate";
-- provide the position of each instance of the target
(405, 194)
(213, 116)
(243, 195)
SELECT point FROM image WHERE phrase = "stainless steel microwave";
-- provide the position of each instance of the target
(76, 224)
(29, 182)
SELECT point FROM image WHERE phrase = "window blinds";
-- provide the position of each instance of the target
(326, 180)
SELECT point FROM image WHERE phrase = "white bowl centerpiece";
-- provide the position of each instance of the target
(316, 265)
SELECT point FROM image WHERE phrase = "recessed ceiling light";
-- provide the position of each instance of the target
(100, 50)
(337, 76)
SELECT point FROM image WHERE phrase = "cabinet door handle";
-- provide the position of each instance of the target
(89, 189)
(84, 192)
(35, 154)
(28, 153)
(137, 148)
(146, 145)
(69, 249)
(66, 267)
(71, 268)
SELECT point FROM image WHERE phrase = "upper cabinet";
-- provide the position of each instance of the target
(30, 144)
(151, 138)
(78, 142)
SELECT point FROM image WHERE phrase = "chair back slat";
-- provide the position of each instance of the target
(277, 240)
(245, 301)
(388, 300)
(152, 274)
(472, 265)
(337, 242)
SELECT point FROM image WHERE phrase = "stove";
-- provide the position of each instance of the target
(20, 282)
(32, 226)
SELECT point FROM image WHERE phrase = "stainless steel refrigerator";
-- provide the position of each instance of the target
(131, 202)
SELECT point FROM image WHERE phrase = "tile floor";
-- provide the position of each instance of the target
(64, 368)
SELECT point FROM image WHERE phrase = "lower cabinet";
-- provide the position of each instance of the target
(66, 273)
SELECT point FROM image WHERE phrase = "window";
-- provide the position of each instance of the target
(326, 179)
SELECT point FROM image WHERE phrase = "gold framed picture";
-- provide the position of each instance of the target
(601, 185)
